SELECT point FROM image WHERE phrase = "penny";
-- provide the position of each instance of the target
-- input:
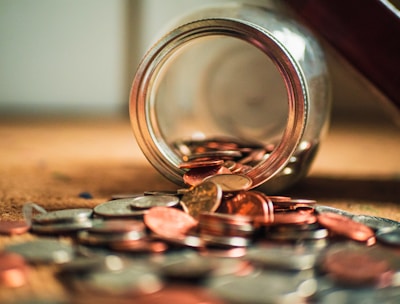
(201, 163)
(294, 218)
(219, 224)
(342, 225)
(249, 203)
(220, 155)
(205, 197)
(231, 182)
(13, 270)
(169, 222)
(148, 201)
(13, 227)
(118, 208)
(66, 215)
(196, 176)
(353, 267)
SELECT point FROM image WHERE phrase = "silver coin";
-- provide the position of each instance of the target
(195, 267)
(191, 241)
(262, 287)
(149, 201)
(316, 234)
(225, 241)
(376, 222)
(286, 258)
(129, 281)
(65, 215)
(231, 182)
(57, 228)
(322, 209)
(116, 226)
(389, 236)
(118, 208)
(43, 251)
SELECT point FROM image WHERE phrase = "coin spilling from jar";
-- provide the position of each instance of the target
(229, 243)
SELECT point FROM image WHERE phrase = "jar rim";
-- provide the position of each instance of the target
(158, 153)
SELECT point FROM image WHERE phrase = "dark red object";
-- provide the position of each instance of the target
(365, 32)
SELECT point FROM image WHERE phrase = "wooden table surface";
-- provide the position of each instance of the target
(52, 161)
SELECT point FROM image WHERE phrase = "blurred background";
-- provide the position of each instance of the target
(78, 57)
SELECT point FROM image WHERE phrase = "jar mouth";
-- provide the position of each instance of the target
(143, 98)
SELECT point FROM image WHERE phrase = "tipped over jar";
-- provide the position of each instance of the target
(242, 83)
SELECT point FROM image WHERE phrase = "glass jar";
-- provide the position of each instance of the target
(242, 77)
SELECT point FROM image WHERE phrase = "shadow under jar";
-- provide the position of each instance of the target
(234, 77)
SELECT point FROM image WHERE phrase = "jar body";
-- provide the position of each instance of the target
(235, 72)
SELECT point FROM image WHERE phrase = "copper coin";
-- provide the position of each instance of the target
(204, 197)
(196, 176)
(13, 270)
(250, 203)
(345, 226)
(13, 227)
(294, 218)
(218, 154)
(169, 222)
(354, 267)
(201, 163)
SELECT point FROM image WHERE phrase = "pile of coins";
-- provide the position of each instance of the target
(238, 245)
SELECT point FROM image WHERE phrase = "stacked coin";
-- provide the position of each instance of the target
(112, 232)
(62, 221)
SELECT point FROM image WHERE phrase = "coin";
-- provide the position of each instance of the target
(169, 222)
(205, 197)
(231, 182)
(389, 236)
(354, 267)
(140, 246)
(201, 163)
(281, 257)
(118, 208)
(148, 201)
(342, 225)
(375, 222)
(250, 203)
(294, 218)
(57, 228)
(14, 227)
(117, 226)
(196, 176)
(225, 241)
(43, 250)
(66, 215)
(13, 270)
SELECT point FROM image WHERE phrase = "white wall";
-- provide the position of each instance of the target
(63, 56)
(79, 56)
